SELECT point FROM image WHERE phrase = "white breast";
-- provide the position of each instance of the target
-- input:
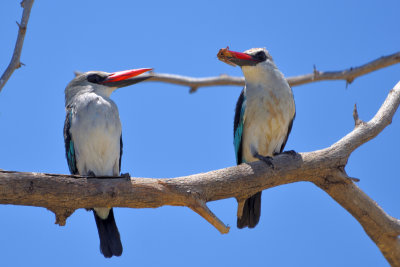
(96, 131)
(269, 110)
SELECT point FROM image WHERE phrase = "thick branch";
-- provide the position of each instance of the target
(325, 168)
(348, 75)
(15, 60)
(380, 227)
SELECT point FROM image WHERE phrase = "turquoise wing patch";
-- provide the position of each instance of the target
(237, 141)
(71, 158)
(69, 144)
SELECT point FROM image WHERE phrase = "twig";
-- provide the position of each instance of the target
(241, 202)
(349, 75)
(201, 208)
(365, 131)
(15, 60)
(357, 120)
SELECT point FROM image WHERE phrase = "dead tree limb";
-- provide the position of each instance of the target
(347, 75)
(15, 60)
(325, 168)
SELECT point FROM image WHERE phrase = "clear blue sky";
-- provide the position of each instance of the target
(169, 132)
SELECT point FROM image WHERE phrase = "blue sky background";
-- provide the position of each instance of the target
(169, 132)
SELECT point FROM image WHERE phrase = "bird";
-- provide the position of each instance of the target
(264, 116)
(93, 138)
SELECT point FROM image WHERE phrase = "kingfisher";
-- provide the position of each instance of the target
(263, 119)
(93, 138)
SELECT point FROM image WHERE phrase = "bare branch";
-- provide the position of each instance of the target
(357, 120)
(15, 60)
(325, 168)
(194, 83)
(348, 75)
(366, 131)
(201, 208)
(241, 202)
(380, 227)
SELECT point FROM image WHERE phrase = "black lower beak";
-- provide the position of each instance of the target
(129, 81)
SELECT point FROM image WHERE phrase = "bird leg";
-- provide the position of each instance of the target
(266, 159)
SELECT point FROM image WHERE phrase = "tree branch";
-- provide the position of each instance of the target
(201, 208)
(325, 168)
(347, 75)
(15, 60)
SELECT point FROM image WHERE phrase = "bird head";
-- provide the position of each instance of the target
(103, 83)
(256, 63)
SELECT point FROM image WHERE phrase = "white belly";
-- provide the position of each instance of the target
(267, 118)
(96, 131)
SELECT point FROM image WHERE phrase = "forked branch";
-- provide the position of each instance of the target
(325, 168)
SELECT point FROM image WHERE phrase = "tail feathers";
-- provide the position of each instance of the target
(110, 241)
(251, 212)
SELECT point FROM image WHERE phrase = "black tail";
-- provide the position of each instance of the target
(251, 212)
(110, 241)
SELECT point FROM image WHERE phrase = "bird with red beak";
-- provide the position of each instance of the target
(263, 119)
(93, 139)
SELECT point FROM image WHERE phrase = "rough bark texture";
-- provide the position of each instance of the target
(325, 168)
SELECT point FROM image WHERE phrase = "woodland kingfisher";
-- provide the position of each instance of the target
(263, 119)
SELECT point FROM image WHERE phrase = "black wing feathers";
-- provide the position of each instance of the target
(120, 153)
(288, 132)
(69, 144)
(236, 122)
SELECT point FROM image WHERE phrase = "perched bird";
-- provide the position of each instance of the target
(263, 118)
(93, 140)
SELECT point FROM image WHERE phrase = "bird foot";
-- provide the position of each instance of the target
(266, 159)
(290, 153)
(126, 175)
(91, 174)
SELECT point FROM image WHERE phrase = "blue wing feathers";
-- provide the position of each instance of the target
(238, 139)
(69, 144)
(71, 157)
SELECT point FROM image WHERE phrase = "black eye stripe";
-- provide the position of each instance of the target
(95, 78)
(261, 56)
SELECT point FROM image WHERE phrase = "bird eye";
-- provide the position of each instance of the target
(95, 78)
(261, 56)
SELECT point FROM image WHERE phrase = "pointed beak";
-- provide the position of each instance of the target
(123, 78)
(236, 58)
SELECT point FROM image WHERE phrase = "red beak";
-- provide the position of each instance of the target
(123, 75)
(239, 55)
(236, 58)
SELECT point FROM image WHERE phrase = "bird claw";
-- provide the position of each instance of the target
(266, 159)
(290, 153)
(91, 174)
(126, 175)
